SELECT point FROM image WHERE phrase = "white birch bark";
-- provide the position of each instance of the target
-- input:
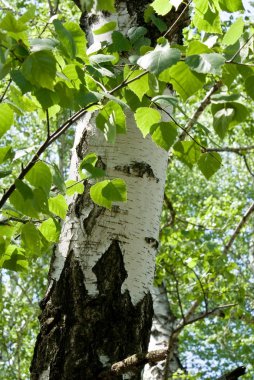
(134, 224)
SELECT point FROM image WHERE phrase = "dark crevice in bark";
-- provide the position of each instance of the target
(137, 169)
(80, 332)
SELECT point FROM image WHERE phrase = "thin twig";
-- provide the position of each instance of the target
(239, 228)
(238, 149)
(178, 295)
(48, 124)
(239, 50)
(200, 316)
(204, 103)
(171, 209)
(5, 91)
(171, 28)
(201, 286)
(247, 165)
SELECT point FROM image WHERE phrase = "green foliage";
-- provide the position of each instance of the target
(105, 192)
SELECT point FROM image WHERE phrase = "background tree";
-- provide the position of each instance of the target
(197, 288)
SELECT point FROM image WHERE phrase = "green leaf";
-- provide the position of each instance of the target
(161, 58)
(46, 97)
(50, 229)
(6, 153)
(31, 240)
(249, 86)
(162, 7)
(87, 168)
(73, 187)
(227, 115)
(120, 42)
(234, 32)
(197, 47)
(5, 173)
(140, 86)
(37, 44)
(6, 118)
(29, 14)
(205, 63)
(40, 176)
(14, 259)
(145, 117)
(105, 192)
(100, 58)
(222, 119)
(185, 81)
(21, 81)
(165, 100)
(164, 134)
(40, 69)
(10, 24)
(108, 27)
(57, 177)
(66, 39)
(111, 120)
(209, 163)
(231, 6)
(207, 17)
(106, 5)
(58, 206)
(187, 151)
(23, 200)
(79, 38)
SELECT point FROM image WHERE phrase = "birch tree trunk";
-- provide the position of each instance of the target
(98, 307)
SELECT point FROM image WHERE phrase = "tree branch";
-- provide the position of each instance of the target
(172, 27)
(238, 228)
(131, 363)
(171, 209)
(204, 103)
(233, 375)
(237, 150)
(54, 136)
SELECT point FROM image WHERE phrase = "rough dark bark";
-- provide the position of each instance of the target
(72, 321)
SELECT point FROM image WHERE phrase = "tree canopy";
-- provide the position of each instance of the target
(51, 77)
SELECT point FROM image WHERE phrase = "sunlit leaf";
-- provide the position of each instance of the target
(209, 163)
(106, 192)
(145, 117)
(161, 58)
(58, 206)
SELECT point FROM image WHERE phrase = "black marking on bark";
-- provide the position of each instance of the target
(152, 242)
(81, 147)
(77, 328)
(91, 220)
(137, 169)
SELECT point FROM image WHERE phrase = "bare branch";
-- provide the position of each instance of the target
(204, 103)
(178, 295)
(247, 165)
(238, 149)
(172, 27)
(5, 90)
(239, 50)
(171, 209)
(200, 316)
(233, 375)
(48, 124)
(239, 227)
